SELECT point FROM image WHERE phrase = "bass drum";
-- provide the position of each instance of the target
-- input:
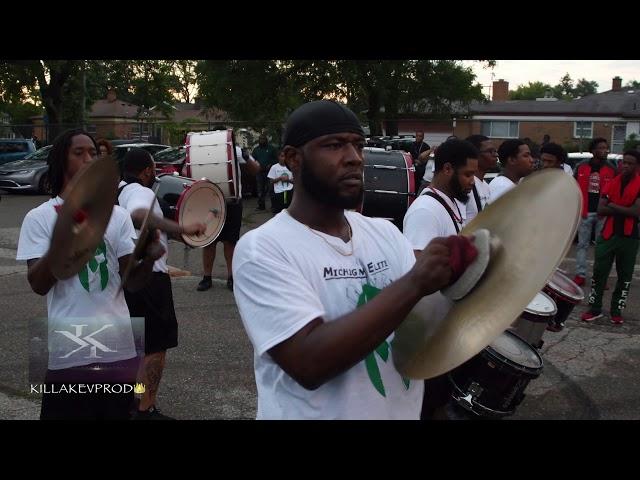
(212, 156)
(194, 201)
(389, 186)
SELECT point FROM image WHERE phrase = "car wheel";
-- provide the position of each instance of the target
(43, 186)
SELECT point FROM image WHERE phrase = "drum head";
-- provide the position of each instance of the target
(516, 350)
(542, 306)
(564, 286)
(202, 202)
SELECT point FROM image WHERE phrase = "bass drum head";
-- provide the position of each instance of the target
(516, 351)
(202, 202)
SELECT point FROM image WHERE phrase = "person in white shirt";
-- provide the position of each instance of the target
(231, 230)
(154, 302)
(480, 196)
(321, 288)
(88, 309)
(553, 155)
(517, 163)
(281, 180)
(439, 212)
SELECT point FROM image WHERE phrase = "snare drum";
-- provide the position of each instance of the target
(212, 155)
(194, 201)
(389, 186)
(565, 293)
(492, 383)
(531, 325)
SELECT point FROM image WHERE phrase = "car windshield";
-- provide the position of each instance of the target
(170, 155)
(40, 154)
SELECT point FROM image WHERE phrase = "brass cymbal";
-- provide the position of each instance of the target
(536, 222)
(84, 217)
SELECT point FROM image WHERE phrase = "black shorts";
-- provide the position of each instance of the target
(155, 303)
(231, 230)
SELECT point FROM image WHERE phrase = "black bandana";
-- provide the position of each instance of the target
(315, 119)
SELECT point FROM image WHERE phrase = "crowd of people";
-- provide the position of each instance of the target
(319, 287)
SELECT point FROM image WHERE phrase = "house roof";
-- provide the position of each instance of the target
(620, 103)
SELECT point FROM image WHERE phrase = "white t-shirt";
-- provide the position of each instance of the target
(427, 219)
(429, 170)
(484, 192)
(276, 171)
(499, 186)
(88, 322)
(135, 196)
(567, 169)
(285, 275)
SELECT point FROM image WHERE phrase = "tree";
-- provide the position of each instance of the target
(584, 87)
(564, 89)
(531, 91)
(376, 90)
(635, 84)
(185, 72)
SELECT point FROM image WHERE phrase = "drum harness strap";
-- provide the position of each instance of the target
(477, 198)
(447, 208)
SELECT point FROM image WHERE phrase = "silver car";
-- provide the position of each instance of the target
(28, 174)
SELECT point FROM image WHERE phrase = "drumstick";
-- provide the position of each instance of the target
(141, 243)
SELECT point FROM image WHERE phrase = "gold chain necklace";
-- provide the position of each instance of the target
(329, 243)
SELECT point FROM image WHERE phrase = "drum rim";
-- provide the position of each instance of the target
(561, 292)
(179, 211)
(534, 372)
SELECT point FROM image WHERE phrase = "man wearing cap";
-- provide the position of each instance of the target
(321, 289)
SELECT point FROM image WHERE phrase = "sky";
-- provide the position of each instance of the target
(521, 72)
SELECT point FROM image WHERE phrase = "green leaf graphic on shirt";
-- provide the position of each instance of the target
(368, 293)
(93, 265)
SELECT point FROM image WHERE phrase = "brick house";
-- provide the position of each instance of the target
(614, 115)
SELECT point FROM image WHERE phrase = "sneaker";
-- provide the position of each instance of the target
(230, 283)
(590, 316)
(579, 280)
(555, 327)
(205, 284)
(151, 413)
(617, 319)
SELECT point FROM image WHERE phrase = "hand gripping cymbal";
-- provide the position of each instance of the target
(84, 217)
(535, 223)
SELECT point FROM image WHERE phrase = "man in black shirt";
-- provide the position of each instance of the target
(420, 151)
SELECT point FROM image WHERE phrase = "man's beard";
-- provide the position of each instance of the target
(457, 191)
(327, 194)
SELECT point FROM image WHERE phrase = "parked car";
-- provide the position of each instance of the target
(119, 151)
(170, 160)
(28, 174)
(15, 149)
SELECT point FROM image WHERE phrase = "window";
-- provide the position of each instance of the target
(500, 129)
(618, 136)
(583, 130)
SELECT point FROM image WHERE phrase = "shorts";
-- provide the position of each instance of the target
(231, 230)
(155, 303)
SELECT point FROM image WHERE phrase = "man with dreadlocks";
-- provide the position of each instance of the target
(88, 308)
